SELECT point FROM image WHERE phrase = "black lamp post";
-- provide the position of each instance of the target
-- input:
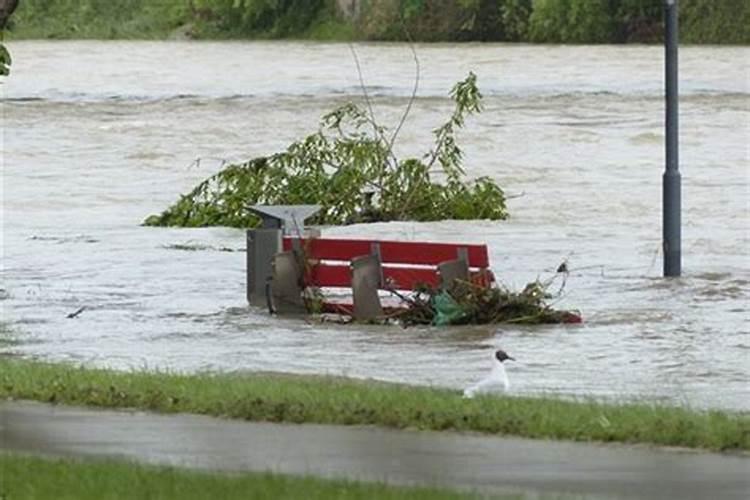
(671, 181)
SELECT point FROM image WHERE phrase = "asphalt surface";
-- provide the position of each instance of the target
(478, 462)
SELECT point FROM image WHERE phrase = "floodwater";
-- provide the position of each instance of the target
(98, 135)
(487, 464)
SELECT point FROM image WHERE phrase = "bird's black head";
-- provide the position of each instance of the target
(502, 355)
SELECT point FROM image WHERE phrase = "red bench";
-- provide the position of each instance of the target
(366, 266)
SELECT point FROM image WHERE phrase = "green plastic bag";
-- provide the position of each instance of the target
(447, 310)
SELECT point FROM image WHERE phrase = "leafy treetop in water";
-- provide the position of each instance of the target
(5, 60)
(349, 168)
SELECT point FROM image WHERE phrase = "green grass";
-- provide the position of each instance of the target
(327, 400)
(23, 477)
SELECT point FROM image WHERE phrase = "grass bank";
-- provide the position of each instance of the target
(535, 21)
(23, 477)
(327, 400)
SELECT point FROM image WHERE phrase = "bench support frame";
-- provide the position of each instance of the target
(262, 246)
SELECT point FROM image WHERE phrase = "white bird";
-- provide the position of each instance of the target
(496, 381)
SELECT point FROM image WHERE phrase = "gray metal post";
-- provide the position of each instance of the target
(249, 271)
(671, 181)
(265, 242)
(262, 245)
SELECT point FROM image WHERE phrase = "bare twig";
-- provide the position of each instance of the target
(416, 83)
(197, 162)
(364, 92)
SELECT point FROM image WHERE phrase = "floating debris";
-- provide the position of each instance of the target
(469, 304)
(195, 247)
(76, 313)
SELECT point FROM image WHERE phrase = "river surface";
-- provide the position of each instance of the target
(98, 135)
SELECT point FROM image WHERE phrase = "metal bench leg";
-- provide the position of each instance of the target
(262, 245)
(284, 294)
(366, 277)
(452, 270)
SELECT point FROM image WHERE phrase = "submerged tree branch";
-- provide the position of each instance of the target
(345, 168)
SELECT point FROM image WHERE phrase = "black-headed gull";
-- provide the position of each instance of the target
(496, 381)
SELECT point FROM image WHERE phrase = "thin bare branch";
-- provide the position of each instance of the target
(364, 91)
(416, 83)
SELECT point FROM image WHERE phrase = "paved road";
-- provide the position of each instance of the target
(484, 463)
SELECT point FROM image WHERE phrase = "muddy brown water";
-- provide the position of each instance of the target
(98, 135)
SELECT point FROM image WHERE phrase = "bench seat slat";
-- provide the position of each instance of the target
(394, 252)
(403, 278)
(400, 278)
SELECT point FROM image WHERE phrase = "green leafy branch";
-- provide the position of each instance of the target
(5, 60)
(348, 167)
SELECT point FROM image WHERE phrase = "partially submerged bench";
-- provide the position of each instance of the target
(284, 262)
(368, 266)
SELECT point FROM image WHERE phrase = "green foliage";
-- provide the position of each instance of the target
(571, 21)
(5, 60)
(715, 21)
(412, 8)
(640, 20)
(590, 21)
(328, 400)
(104, 19)
(348, 167)
(274, 18)
(478, 304)
(330, 28)
(515, 15)
(548, 21)
(628, 9)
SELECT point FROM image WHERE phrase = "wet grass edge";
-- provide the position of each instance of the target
(51, 477)
(271, 397)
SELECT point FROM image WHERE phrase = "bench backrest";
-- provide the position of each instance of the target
(405, 264)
